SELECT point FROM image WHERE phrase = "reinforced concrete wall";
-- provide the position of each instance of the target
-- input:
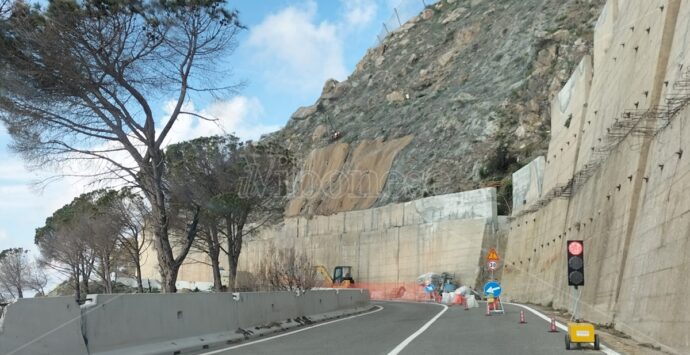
(627, 191)
(158, 323)
(390, 246)
(527, 183)
(568, 125)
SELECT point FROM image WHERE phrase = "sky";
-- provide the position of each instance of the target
(290, 48)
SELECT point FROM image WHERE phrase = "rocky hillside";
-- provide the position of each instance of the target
(470, 80)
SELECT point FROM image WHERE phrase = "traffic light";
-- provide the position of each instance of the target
(576, 263)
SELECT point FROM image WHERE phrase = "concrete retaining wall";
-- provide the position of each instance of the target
(157, 323)
(527, 183)
(629, 200)
(391, 246)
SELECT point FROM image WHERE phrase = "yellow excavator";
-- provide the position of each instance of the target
(342, 276)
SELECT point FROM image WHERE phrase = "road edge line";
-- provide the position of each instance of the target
(243, 344)
(605, 349)
(419, 331)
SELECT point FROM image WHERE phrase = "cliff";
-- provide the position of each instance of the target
(457, 98)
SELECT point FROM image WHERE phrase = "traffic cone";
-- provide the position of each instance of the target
(488, 313)
(552, 326)
(522, 317)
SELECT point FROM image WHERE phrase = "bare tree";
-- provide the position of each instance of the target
(78, 80)
(104, 243)
(105, 219)
(257, 199)
(38, 279)
(68, 243)
(286, 269)
(18, 273)
(133, 214)
(199, 175)
(4, 8)
(227, 186)
(15, 269)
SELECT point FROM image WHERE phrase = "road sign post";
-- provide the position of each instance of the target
(492, 261)
(492, 290)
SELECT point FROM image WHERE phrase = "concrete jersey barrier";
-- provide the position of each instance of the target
(157, 323)
(42, 326)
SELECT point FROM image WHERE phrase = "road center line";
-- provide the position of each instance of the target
(218, 351)
(419, 331)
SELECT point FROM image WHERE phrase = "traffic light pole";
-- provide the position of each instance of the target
(576, 303)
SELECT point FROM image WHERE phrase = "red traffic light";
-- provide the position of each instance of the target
(575, 248)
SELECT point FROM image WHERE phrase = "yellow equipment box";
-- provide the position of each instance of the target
(581, 333)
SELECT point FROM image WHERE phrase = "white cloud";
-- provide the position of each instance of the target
(359, 13)
(296, 52)
(13, 169)
(24, 207)
(239, 116)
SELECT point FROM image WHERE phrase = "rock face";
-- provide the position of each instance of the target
(339, 178)
(304, 112)
(470, 80)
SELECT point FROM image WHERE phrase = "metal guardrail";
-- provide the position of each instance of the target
(405, 10)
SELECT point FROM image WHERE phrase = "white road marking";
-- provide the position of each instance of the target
(605, 349)
(421, 330)
(218, 351)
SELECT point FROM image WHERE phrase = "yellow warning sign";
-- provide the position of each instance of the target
(492, 255)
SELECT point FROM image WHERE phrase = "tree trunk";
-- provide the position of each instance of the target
(166, 261)
(169, 279)
(107, 281)
(232, 272)
(20, 294)
(140, 284)
(217, 280)
(102, 269)
(233, 260)
(77, 285)
(234, 247)
(85, 286)
(154, 193)
(214, 255)
(85, 281)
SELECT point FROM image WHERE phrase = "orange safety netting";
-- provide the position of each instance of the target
(409, 291)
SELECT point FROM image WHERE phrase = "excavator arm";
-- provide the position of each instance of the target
(321, 270)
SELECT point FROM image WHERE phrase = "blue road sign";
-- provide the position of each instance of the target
(492, 287)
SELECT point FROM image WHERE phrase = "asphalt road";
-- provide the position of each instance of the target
(391, 329)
